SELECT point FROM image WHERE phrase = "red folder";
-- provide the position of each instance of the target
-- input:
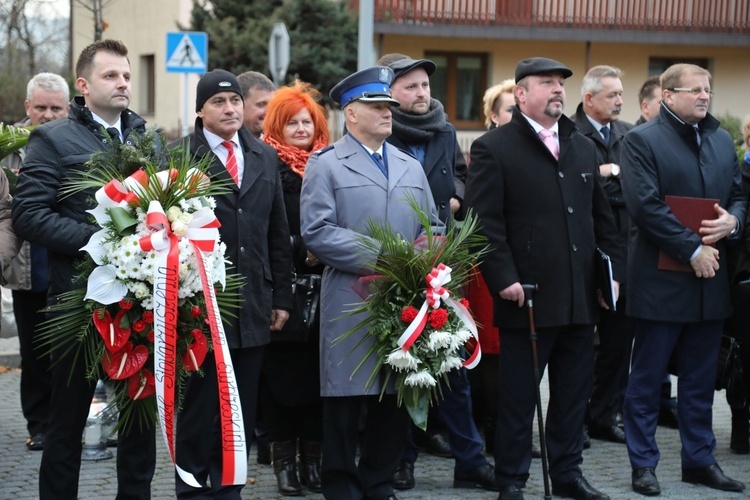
(690, 212)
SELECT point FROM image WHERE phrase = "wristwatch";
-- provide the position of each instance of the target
(615, 170)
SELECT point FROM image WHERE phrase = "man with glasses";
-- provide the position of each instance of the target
(681, 153)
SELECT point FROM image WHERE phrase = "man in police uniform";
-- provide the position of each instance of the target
(356, 180)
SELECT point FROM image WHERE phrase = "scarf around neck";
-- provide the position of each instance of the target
(413, 128)
(293, 156)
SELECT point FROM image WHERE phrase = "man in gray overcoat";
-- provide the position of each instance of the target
(357, 179)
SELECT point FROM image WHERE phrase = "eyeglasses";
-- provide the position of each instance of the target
(695, 91)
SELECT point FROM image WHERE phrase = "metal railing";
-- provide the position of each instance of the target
(724, 16)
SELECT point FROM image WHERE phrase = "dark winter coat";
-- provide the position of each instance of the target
(661, 158)
(544, 219)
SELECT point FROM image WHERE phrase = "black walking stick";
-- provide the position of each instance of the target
(528, 292)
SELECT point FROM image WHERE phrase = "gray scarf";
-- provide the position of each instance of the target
(415, 129)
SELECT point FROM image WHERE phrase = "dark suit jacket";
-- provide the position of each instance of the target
(444, 166)
(609, 153)
(255, 230)
(662, 158)
(544, 219)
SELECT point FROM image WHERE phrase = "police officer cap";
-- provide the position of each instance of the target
(540, 66)
(401, 64)
(368, 85)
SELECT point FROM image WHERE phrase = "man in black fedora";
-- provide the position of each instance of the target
(533, 184)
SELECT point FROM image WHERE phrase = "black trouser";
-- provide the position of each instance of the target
(198, 429)
(381, 447)
(61, 458)
(36, 388)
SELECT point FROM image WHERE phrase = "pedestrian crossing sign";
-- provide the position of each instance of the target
(187, 52)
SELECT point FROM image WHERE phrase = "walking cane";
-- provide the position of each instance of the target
(528, 292)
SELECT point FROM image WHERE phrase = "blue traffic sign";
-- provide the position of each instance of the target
(187, 52)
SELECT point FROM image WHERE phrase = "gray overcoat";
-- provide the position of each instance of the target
(342, 190)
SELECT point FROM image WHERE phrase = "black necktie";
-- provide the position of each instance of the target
(115, 135)
(605, 134)
(697, 134)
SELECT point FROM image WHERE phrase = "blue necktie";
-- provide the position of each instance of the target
(605, 134)
(381, 165)
(697, 134)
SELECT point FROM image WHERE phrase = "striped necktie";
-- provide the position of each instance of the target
(231, 161)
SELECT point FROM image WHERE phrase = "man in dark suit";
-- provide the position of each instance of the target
(62, 225)
(682, 152)
(533, 184)
(598, 118)
(255, 230)
(420, 127)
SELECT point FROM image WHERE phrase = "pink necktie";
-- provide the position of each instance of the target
(231, 161)
(548, 137)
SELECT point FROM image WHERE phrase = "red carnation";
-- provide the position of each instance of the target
(139, 325)
(148, 317)
(464, 302)
(196, 311)
(438, 318)
(408, 314)
(150, 336)
(125, 304)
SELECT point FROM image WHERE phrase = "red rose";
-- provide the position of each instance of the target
(139, 325)
(464, 302)
(150, 336)
(196, 311)
(125, 304)
(408, 314)
(148, 317)
(438, 318)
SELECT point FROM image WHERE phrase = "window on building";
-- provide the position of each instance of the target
(657, 65)
(147, 85)
(459, 83)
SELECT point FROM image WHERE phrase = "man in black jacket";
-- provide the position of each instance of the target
(62, 225)
(598, 118)
(533, 185)
(254, 227)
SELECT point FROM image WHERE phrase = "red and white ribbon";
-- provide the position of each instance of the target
(203, 231)
(438, 277)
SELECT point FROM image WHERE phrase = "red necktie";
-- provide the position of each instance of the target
(231, 161)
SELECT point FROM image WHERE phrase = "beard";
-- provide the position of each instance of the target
(553, 112)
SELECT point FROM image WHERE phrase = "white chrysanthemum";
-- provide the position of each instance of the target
(173, 213)
(450, 363)
(459, 339)
(148, 303)
(421, 378)
(439, 340)
(139, 289)
(402, 360)
(210, 202)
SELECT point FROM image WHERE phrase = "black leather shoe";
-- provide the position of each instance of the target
(580, 489)
(713, 477)
(613, 434)
(645, 482)
(403, 479)
(668, 418)
(510, 492)
(35, 442)
(436, 444)
(481, 477)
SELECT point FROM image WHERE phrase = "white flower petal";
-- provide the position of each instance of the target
(104, 287)
(95, 248)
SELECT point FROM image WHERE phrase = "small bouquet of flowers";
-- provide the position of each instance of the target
(422, 331)
(149, 313)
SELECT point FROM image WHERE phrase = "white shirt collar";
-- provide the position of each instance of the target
(537, 127)
(98, 119)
